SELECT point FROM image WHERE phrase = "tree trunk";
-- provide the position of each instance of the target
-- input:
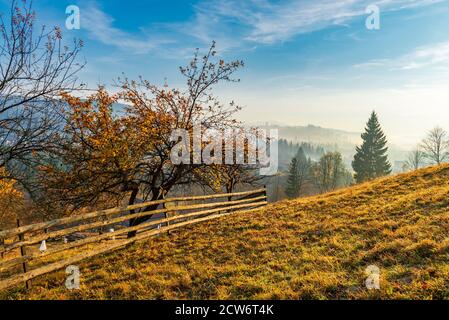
(131, 201)
(136, 221)
(229, 189)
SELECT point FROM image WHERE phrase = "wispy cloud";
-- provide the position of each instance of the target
(100, 28)
(435, 55)
(268, 22)
(236, 23)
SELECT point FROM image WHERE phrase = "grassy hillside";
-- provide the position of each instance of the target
(316, 248)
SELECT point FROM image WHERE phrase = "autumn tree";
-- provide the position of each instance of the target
(104, 154)
(100, 156)
(436, 146)
(35, 66)
(234, 169)
(11, 200)
(226, 177)
(330, 173)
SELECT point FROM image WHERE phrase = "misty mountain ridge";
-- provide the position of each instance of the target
(331, 139)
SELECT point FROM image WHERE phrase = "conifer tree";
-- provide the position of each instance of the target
(298, 174)
(303, 164)
(371, 160)
(292, 189)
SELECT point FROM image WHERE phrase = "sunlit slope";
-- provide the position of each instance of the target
(316, 247)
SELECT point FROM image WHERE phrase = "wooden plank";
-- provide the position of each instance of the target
(97, 224)
(56, 222)
(57, 265)
(82, 256)
(12, 262)
(251, 196)
(54, 234)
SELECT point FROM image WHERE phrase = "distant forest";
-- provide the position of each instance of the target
(288, 149)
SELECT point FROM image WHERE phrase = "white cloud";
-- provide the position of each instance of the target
(435, 55)
(268, 22)
(236, 23)
(100, 28)
(371, 64)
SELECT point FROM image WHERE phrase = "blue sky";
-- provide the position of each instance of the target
(307, 61)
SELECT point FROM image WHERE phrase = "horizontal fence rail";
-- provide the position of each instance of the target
(30, 236)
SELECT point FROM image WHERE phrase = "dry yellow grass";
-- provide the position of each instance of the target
(311, 248)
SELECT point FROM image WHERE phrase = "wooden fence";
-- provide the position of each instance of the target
(19, 246)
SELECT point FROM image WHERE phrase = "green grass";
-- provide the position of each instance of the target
(311, 248)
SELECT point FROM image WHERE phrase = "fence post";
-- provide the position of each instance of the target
(166, 213)
(23, 253)
(2, 243)
(265, 192)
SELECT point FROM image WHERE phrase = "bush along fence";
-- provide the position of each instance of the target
(24, 251)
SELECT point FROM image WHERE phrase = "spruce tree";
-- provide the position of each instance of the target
(298, 174)
(292, 189)
(303, 165)
(371, 160)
